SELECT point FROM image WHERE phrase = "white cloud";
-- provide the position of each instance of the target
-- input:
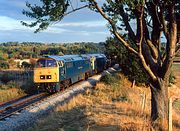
(88, 24)
(86, 33)
(10, 24)
(7, 24)
(54, 30)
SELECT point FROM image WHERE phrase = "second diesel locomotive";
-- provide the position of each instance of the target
(55, 73)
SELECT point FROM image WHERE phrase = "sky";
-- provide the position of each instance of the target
(81, 26)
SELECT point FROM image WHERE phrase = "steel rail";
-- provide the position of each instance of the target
(12, 108)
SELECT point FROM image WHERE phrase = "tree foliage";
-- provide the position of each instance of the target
(11, 50)
(50, 11)
(129, 63)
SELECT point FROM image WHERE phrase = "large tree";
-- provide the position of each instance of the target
(144, 21)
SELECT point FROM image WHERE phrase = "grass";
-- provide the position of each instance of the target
(107, 107)
(10, 91)
(176, 72)
(6, 95)
(176, 104)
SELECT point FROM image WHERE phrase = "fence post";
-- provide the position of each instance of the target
(133, 84)
(143, 102)
(170, 114)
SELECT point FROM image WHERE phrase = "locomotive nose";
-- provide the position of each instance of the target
(46, 75)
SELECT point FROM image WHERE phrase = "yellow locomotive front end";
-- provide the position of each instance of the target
(46, 75)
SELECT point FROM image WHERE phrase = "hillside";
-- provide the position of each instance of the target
(12, 52)
(111, 106)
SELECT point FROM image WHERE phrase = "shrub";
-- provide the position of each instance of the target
(6, 78)
(172, 78)
(3, 87)
(4, 64)
(9, 85)
(115, 83)
(110, 79)
(28, 87)
(129, 62)
(12, 84)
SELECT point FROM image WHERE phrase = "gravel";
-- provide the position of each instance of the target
(21, 120)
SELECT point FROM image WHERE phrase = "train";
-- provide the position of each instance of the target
(55, 73)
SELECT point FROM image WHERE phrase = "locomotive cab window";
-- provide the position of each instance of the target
(46, 63)
(61, 64)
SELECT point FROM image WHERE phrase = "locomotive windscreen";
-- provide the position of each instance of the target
(46, 63)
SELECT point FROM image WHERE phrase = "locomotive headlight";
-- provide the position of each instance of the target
(48, 77)
(42, 76)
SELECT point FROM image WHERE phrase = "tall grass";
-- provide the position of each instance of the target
(7, 93)
(14, 89)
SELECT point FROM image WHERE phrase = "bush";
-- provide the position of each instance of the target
(4, 65)
(130, 63)
(132, 69)
(172, 78)
(12, 84)
(9, 85)
(6, 78)
(110, 79)
(115, 83)
(28, 87)
(3, 87)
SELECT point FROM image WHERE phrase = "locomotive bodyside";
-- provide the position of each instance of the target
(54, 73)
(73, 69)
(99, 62)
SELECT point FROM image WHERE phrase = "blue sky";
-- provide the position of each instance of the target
(81, 26)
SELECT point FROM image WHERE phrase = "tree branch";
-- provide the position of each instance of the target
(149, 59)
(154, 50)
(162, 19)
(140, 34)
(177, 49)
(124, 42)
(172, 42)
(147, 67)
(155, 36)
(75, 10)
(113, 27)
(126, 22)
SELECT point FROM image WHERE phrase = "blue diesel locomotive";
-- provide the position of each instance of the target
(55, 73)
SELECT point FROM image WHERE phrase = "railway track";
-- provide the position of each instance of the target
(26, 117)
(16, 106)
(11, 108)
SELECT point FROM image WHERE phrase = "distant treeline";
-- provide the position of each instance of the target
(25, 50)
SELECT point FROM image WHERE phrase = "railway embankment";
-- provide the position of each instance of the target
(26, 117)
(113, 105)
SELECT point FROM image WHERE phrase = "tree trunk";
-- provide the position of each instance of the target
(159, 104)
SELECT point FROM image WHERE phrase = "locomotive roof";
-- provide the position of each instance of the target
(67, 58)
(95, 55)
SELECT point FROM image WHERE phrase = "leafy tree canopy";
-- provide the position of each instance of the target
(50, 11)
